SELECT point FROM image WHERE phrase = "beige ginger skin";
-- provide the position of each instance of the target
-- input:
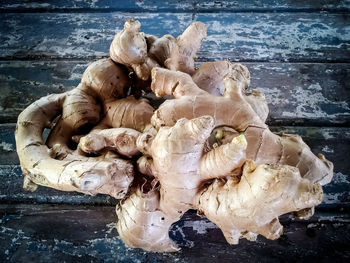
(74, 172)
(144, 52)
(244, 208)
(206, 147)
(179, 183)
(58, 166)
(234, 110)
(241, 206)
(102, 81)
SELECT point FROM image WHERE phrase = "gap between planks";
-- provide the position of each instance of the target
(340, 6)
(193, 11)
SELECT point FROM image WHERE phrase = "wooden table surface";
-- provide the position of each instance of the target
(298, 55)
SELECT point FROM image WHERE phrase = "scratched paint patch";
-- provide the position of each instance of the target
(200, 226)
(327, 149)
(108, 248)
(280, 38)
(333, 198)
(28, 5)
(337, 191)
(340, 178)
(309, 103)
(243, 36)
(7, 147)
(177, 233)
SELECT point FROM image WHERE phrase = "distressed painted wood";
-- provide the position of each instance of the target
(23, 82)
(177, 6)
(8, 154)
(307, 37)
(332, 142)
(45, 233)
(297, 93)
(44, 48)
(304, 94)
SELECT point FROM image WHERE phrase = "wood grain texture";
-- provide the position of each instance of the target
(332, 142)
(45, 47)
(303, 37)
(297, 93)
(174, 6)
(45, 233)
(8, 154)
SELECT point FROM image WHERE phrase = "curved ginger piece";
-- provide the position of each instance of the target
(233, 110)
(119, 129)
(121, 140)
(252, 205)
(102, 81)
(127, 113)
(142, 224)
(73, 172)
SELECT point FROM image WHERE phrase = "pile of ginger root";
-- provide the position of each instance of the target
(206, 147)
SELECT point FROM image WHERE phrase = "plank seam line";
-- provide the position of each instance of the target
(196, 10)
(200, 60)
(336, 209)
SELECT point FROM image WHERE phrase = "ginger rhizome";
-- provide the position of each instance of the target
(252, 205)
(98, 99)
(237, 110)
(206, 147)
(142, 52)
(241, 204)
(73, 172)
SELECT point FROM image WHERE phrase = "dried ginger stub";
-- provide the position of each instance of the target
(208, 148)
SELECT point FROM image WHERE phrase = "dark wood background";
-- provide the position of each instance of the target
(298, 55)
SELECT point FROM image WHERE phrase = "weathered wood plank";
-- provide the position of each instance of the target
(23, 82)
(75, 233)
(297, 93)
(306, 37)
(332, 142)
(8, 154)
(174, 6)
(304, 94)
